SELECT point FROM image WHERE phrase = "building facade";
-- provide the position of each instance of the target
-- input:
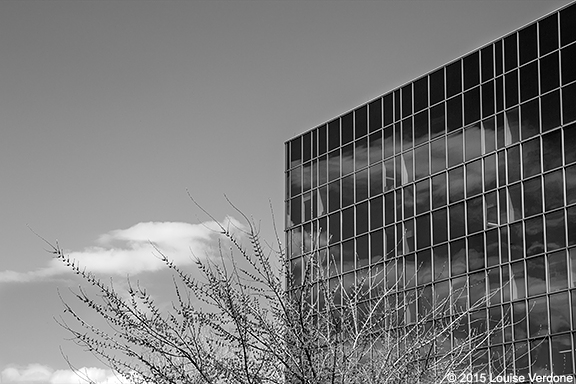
(464, 178)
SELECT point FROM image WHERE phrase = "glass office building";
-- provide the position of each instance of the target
(464, 178)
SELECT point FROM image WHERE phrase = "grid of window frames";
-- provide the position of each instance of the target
(463, 180)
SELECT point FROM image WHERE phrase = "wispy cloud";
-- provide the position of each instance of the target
(40, 374)
(132, 250)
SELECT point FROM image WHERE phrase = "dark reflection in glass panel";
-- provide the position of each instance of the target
(532, 197)
(472, 105)
(437, 86)
(376, 212)
(567, 30)
(388, 109)
(334, 196)
(456, 180)
(362, 218)
(333, 165)
(455, 149)
(421, 158)
(490, 172)
(438, 155)
(555, 230)
(437, 121)
(404, 173)
(516, 241)
(487, 59)
(534, 236)
(361, 185)
(322, 169)
(347, 128)
(376, 179)
(421, 127)
(375, 147)
(491, 202)
(569, 137)
(530, 119)
(440, 255)
(296, 181)
(388, 141)
(307, 147)
(457, 223)
(557, 271)
(333, 134)
(439, 187)
(399, 205)
(409, 201)
(569, 98)
(424, 265)
(552, 150)
(501, 168)
(473, 140)
(553, 190)
(548, 35)
(511, 82)
(348, 159)
(388, 174)
(347, 191)
(458, 257)
(504, 255)
(375, 114)
(514, 203)
(488, 99)
(560, 322)
(397, 104)
(513, 162)
(423, 231)
(422, 196)
(550, 110)
(397, 138)
(538, 316)
(475, 217)
(295, 151)
(347, 223)
(531, 157)
(407, 100)
(362, 255)
(471, 70)
(568, 55)
(454, 118)
(499, 93)
(474, 178)
(489, 135)
(549, 73)
(420, 94)
(360, 126)
(322, 140)
(571, 184)
(361, 153)
(306, 176)
(511, 126)
(407, 134)
(453, 79)
(510, 55)
(322, 200)
(348, 257)
(389, 208)
(571, 221)
(440, 226)
(529, 81)
(528, 44)
(296, 210)
(377, 246)
(475, 252)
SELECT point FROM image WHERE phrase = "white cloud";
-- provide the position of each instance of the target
(42, 374)
(130, 251)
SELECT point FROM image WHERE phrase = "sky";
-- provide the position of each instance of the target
(112, 112)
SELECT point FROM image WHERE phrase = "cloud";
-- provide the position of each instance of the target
(132, 250)
(42, 374)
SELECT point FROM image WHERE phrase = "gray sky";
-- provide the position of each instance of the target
(110, 110)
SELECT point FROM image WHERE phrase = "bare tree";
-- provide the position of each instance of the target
(250, 329)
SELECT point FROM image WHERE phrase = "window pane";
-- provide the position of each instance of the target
(375, 147)
(488, 99)
(475, 218)
(377, 246)
(422, 196)
(511, 126)
(376, 212)
(455, 150)
(458, 257)
(528, 44)
(487, 58)
(407, 100)
(530, 120)
(567, 31)
(571, 184)
(457, 220)
(407, 134)
(534, 236)
(420, 94)
(295, 151)
(347, 128)
(322, 140)
(531, 157)
(376, 179)
(453, 78)
(474, 178)
(421, 127)
(438, 155)
(333, 134)
(476, 252)
(511, 83)
(421, 158)
(550, 111)
(362, 254)
(548, 34)
(439, 190)
(473, 141)
(555, 230)
(490, 172)
(334, 196)
(471, 70)
(559, 313)
(568, 55)
(388, 109)
(532, 197)
(348, 191)
(347, 223)
(553, 190)
(423, 231)
(361, 153)
(454, 119)
(440, 226)
(569, 137)
(437, 121)
(569, 99)
(557, 271)
(514, 203)
(472, 105)
(510, 55)
(360, 123)
(437, 86)
(361, 185)
(549, 73)
(456, 182)
(513, 162)
(529, 81)
(552, 150)
(538, 315)
(375, 115)
(362, 218)
(440, 263)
